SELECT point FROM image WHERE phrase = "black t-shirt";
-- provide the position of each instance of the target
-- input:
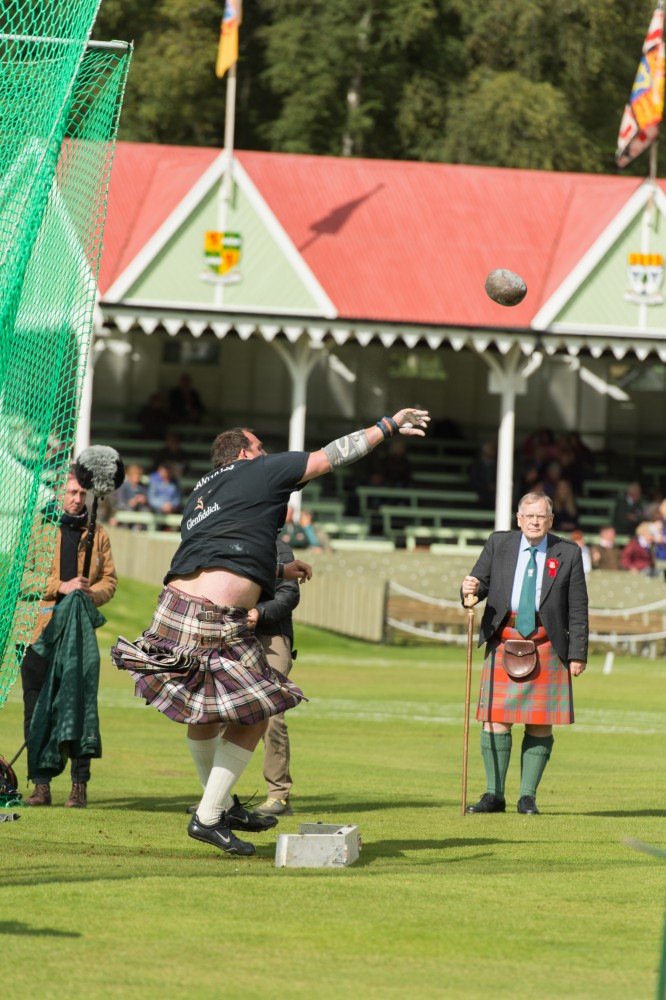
(232, 517)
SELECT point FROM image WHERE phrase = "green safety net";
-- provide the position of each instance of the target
(60, 99)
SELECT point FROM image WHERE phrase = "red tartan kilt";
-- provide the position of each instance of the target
(545, 698)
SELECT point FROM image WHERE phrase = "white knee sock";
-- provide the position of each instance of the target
(203, 755)
(229, 763)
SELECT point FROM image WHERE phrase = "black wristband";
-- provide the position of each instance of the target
(280, 571)
(388, 427)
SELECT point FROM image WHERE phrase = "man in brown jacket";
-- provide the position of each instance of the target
(66, 575)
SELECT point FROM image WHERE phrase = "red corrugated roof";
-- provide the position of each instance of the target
(389, 241)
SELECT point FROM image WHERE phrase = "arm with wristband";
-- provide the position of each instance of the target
(351, 447)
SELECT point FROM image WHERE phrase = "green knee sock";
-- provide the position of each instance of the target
(496, 753)
(534, 755)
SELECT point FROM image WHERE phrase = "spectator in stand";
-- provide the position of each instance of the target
(565, 511)
(659, 535)
(163, 490)
(578, 537)
(637, 555)
(172, 452)
(605, 553)
(551, 477)
(153, 417)
(483, 475)
(629, 510)
(541, 446)
(572, 469)
(584, 455)
(531, 481)
(132, 495)
(185, 406)
(397, 468)
(301, 533)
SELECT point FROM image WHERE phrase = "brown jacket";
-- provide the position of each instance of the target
(102, 575)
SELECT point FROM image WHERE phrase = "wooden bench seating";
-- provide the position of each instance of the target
(147, 520)
(396, 519)
(410, 496)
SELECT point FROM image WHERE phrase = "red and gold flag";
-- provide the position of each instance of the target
(645, 110)
(227, 53)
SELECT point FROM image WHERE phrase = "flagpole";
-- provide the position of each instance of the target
(227, 185)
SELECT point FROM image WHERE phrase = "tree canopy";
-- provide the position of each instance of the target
(518, 83)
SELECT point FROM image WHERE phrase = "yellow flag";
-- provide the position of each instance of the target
(227, 53)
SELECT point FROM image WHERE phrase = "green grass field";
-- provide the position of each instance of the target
(117, 901)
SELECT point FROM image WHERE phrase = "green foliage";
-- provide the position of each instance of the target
(518, 83)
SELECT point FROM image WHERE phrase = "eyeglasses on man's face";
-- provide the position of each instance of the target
(535, 517)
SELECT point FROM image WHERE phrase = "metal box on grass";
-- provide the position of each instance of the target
(318, 845)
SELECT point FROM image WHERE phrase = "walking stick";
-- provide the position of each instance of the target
(471, 600)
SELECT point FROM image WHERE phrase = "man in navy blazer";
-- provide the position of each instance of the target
(559, 631)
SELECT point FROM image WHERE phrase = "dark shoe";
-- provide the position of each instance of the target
(40, 797)
(240, 818)
(274, 807)
(488, 803)
(78, 797)
(527, 806)
(219, 835)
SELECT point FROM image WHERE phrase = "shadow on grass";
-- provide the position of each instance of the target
(628, 813)
(15, 927)
(305, 807)
(377, 850)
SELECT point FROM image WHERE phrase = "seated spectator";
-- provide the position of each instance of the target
(531, 481)
(300, 533)
(541, 445)
(172, 452)
(637, 555)
(629, 510)
(483, 475)
(578, 537)
(551, 477)
(163, 490)
(584, 455)
(565, 511)
(185, 406)
(659, 535)
(606, 554)
(397, 468)
(317, 539)
(153, 417)
(132, 495)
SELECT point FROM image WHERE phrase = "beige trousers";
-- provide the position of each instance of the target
(276, 738)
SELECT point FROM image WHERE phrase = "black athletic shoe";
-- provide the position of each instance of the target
(488, 803)
(240, 818)
(527, 806)
(220, 836)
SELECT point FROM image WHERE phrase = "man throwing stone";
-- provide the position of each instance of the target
(198, 662)
(535, 590)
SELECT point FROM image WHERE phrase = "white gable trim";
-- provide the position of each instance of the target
(169, 227)
(284, 242)
(558, 300)
(183, 211)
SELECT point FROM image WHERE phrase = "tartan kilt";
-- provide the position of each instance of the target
(199, 671)
(545, 698)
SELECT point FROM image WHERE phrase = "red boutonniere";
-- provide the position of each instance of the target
(552, 565)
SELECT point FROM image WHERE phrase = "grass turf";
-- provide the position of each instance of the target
(117, 901)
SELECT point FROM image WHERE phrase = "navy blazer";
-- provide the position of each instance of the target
(563, 604)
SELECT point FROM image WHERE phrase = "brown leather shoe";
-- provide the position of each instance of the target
(78, 797)
(40, 797)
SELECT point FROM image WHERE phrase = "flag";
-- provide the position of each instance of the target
(227, 53)
(643, 114)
